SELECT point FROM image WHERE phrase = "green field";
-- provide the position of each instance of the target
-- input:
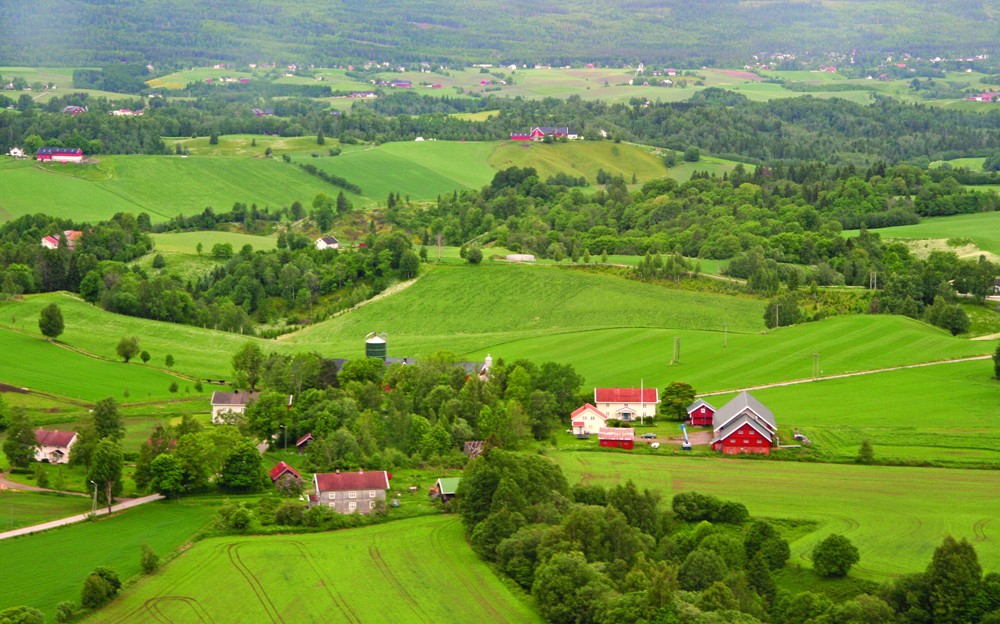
(580, 158)
(944, 414)
(244, 145)
(420, 169)
(982, 228)
(24, 508)
(187, 242)
(616, 331)
(895, 516)
(35, 581)
(32, 362)
(163, 186)
(417, 570)
(709, 164)
(197, 352)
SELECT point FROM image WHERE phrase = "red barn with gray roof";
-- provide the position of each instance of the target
(744, 425)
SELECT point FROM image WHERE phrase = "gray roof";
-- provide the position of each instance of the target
(234, 398)
(736, 423)
(699, 403)
(742, 403)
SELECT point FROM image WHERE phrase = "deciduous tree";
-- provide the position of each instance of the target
(20, 445)
(835, 556)
(50, 322)
(106, 470)
(128, 348)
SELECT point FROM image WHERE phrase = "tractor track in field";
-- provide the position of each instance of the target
(233, 550)
(979, 529)
(469, 583)
(152, 607)
(336, 597)
(394, 581)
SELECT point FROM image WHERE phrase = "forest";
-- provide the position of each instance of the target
(79, 32)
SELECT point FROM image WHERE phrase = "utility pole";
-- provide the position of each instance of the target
(777, 307)
(93, 507)
(677, 350)
(815, 365)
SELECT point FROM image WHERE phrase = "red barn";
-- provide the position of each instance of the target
(617, 437)
(744, 425)
(59, 154)
(700, 414)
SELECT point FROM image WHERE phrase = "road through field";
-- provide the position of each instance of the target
(795, 382)
(135, 502)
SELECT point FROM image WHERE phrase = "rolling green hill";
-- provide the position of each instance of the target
(981, 228)
(581, 159)
(163, 186)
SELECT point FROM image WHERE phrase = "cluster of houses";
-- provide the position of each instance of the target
(71, 236)
(538, 133)
(743, 425)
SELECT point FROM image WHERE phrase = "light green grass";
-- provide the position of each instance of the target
(179, 80)
(163, 186)
(895, 516)
(187, 242)
(417, 570)
(972, 164)
(466, 308)
(79, 548)
(713, 166)
(580, 158)
(944, 413)
(983, 228)
(24, 508)
(243, 145)
(420, 169)
(198, 352)
(478, 116)
(32, 362)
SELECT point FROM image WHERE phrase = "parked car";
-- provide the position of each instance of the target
(648, 436)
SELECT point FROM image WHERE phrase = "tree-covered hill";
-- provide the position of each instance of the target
(81, 32)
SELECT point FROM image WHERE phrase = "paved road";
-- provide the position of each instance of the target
(103, 511)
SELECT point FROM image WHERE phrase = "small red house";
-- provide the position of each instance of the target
(700, 414)
(744, 425)
(617, 437)
(281, 469)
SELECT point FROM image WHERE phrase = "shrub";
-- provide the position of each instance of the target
(149, 560)
(834, 556)
(99, 588)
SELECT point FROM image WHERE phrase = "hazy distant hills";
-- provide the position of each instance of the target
(79, 32)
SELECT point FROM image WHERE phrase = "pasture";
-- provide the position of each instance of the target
(895, 516)
(248, 146)
(81, 547)
(419, 169)
(415, 570)
(943, 414)
(197, 352)
(982, 228)
(187, 242)
(34, 363)
(682, 171)
(21, 508)
(580, 158)
(163, 186)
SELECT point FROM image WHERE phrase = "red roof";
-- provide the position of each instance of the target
(306, 438)
(611, 433)
(625, 395)
(281, 468)
(54, 438)
(337, 481)
(586, 407)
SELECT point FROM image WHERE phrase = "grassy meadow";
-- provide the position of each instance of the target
(79, 548)
(895, 516)
(163, 186)
(982, 228)
(187, 242)
(580, 158)
(248, 146)
(417, 570)
(24, 508)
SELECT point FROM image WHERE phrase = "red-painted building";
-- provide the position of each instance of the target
(59, 154)
(700, 414)
(617, 437)
(744, 425)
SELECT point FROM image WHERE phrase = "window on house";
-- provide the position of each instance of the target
(333, 504)
(352, 495)
(331, 496)
(371, 493)
(371, 504)
(746, 441)
(352, 506)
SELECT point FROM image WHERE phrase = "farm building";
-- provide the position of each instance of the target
(303, 442)
(588, 419)
(616, 437)
(350, 492)
(744, 425)
(519, 258)
(627, 404)
(54, 446)
(327, 242)
(283, 472)
(59, 154)
(700, 414)
(71, 236)
(16, 152)
(540, 132)
(230, 403)
(444, 489)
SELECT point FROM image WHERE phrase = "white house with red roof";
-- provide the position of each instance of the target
(627, 404)
(71, 236)
(350, 492)
(588, 420)
(54, 446)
